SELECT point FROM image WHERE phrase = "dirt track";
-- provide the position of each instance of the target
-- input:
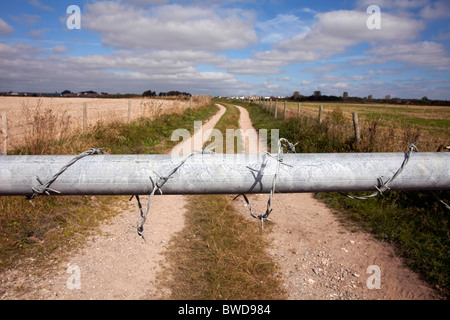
(318, 257)
(321, 259)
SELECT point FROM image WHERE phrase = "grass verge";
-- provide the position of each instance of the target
(414, 222)
(54, 225)
(220, 255)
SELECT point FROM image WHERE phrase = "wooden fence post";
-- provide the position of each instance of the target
(84, 117)
(276, 109)
(320, 114)
(129, 111)
(356, 126)
(298, 110)
(5, 133)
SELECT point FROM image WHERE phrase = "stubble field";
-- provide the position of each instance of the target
(27, 114)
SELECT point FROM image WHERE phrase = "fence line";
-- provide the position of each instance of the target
(78, 114)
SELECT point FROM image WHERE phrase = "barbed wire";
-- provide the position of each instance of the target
(265, 216)
(157, 186)
(44, 188)
(442, 149)
(384, 186)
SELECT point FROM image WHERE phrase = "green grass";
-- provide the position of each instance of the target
(411, 120)
(220, 255)
(414, 222)
(147, 136)
(35, 231)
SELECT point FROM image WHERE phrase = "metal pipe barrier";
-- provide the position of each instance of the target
(105, 174)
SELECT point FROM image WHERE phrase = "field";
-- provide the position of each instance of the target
(28, 115)
(429, 124)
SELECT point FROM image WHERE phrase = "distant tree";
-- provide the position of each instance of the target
(149, 93)
(66, 92)
(317, 93)
(345, 95)
(174, 94)
(296, 96)
(89, 92)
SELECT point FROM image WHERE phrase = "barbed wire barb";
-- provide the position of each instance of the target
(158, 185)
(44, 188)
(384, 186)
(265, 216)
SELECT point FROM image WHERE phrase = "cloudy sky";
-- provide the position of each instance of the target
(228, 47)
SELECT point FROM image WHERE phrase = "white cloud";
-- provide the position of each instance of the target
(25, 19)
(384, 71)
(281, 27)
(40, 5)
(130, 71)
(324, 68)
(169, 27)
(393, 4)
(7, 50)
(335, 32)
(436, 10)
(284, 79)
(147, 2)
(153, 62)
(442, 36)
(60, 49)
(5, 28)
(38, 34)
(423, 54)
(251, 66)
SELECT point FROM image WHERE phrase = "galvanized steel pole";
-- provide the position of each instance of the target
(224, 173)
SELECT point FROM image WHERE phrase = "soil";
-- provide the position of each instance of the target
(318, 256)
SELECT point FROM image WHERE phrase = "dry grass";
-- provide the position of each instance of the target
(221, 255)
(389, 128)
(46, 127)
(69, 113)
(57, 224)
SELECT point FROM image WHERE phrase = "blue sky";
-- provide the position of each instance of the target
(228, 47)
